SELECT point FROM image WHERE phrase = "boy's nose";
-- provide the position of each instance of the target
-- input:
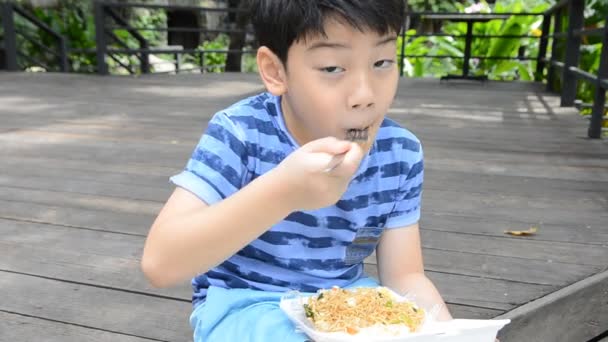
(362, 95)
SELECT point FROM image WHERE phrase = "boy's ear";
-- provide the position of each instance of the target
(271, 71)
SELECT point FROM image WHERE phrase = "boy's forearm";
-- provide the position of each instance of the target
(424, 292)
(195, 242)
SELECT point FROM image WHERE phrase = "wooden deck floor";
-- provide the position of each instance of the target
(84, 166)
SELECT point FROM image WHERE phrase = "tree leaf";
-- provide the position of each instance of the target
(531, 231)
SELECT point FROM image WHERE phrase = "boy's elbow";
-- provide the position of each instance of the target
(154, 273)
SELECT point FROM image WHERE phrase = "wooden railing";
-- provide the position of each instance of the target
(11, 53)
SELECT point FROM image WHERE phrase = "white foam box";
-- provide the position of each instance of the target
(457, 330)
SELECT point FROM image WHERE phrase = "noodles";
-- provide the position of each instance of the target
(351, 310)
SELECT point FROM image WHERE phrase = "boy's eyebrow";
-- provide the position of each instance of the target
(326, 44)
(334, 45)
(387, 40)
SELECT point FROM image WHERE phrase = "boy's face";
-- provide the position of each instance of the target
(339, 83)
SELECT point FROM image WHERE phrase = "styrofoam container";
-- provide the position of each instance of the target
(457, 330)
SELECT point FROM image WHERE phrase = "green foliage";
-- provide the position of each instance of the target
(595, 12)
(436, 5)
(496, 69)
(249, 63)
(424, 46)
(74, 20)
(146, 18)
(141, 20)
(215, 61)
(590, 61)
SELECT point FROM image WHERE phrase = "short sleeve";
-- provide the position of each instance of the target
(409, 194)
(218, 166)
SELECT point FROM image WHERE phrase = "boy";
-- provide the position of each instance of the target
(293, 188)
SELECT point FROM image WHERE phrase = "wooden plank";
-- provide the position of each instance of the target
(77, 200)
(126, 223)
(471, 312)
(497, 207)
(57, 171)
(173, 90)
(77, 255)
(504, 268)
(581, 234)
(95, 307)
(517, 248)
(505, 159)
(15, 327)
(155, 193)
(503, 140)
(480, 292)
(488, 202)
(132, 128)
(167, 156)
(501, 123)
(133, 133)
(582, 306)
(90, 166)
(522, 179)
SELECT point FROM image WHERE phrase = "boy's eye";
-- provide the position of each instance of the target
(385, 63)
(332, 69)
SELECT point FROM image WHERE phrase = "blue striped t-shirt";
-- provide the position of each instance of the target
(308, 250)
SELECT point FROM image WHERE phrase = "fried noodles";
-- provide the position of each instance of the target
(340, 310)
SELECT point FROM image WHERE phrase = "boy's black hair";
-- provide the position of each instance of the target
(279, 23)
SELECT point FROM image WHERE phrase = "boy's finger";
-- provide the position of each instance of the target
(321, 161)
(350, 162)
(329, 145)
(334, 162)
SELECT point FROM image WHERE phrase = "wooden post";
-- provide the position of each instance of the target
(100, 38)
(599, 100)
(10, 38)
(573, 52)
(542, 52)
(557, 28)
(145, 57)
(63, 55)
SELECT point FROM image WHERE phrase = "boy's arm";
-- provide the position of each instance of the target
(189, 237)
(400, 267)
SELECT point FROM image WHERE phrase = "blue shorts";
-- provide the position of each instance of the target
(247, 316)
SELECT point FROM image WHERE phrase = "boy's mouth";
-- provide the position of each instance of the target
(357, 134)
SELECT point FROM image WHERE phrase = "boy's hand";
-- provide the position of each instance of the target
(318, 173)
